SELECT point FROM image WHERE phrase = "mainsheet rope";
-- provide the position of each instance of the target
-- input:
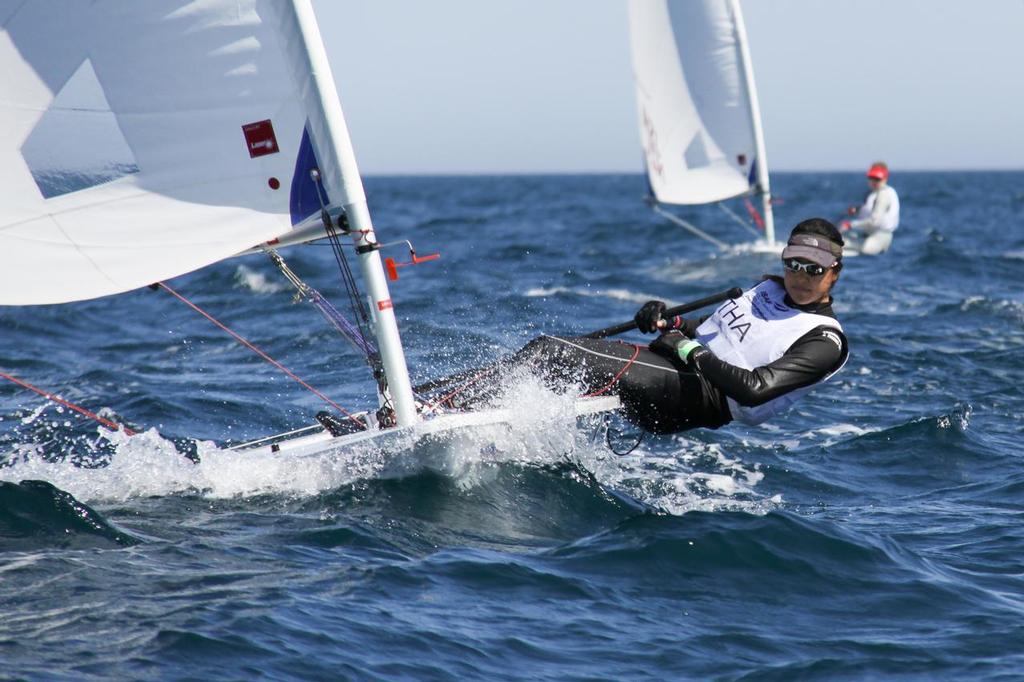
(259, 352)
(615, 379)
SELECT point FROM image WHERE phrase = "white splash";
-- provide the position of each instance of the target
(147, 464)
(614, 294)
(672, 475)
(825, 436)
(257, 282)
(959, 418)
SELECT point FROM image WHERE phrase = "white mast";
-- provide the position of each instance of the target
(755, 120)
(335, 134)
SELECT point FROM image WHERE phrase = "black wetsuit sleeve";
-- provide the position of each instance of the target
(811, 358)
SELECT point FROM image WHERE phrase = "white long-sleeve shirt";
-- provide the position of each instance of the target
(880, 212)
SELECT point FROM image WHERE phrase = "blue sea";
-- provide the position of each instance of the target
(876, 531)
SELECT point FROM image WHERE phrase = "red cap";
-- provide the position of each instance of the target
(878, 171)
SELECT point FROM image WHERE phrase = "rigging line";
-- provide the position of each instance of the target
(693, 230)
(259, 352)
(735, 216)
(361, 315)
(479, 374)
(113, 426)
(358, 306)
(348, 330)
(342, 324)
(293, 432)
(615, 379)
(459, 389)
(358, 309)
(611, 446)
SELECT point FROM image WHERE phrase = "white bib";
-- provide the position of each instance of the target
(755, 330)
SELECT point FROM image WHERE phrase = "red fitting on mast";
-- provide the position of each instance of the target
(391, 265)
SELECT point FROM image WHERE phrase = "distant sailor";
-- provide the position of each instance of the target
(748, 361)
(879, 216)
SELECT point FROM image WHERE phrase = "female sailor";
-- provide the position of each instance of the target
(749, 360)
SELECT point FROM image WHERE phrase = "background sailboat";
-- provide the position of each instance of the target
(700, 124)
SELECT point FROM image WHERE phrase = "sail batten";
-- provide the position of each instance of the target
(146, 140)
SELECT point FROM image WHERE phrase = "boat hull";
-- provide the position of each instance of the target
(438, 442)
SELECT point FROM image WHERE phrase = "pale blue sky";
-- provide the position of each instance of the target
(477, 86)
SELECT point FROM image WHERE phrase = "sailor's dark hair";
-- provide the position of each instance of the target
(823, 228)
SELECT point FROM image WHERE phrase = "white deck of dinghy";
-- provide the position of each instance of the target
(317, 440)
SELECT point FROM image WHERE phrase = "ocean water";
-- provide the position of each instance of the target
(876, 531)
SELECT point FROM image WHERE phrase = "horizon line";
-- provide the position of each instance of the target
(507, 173)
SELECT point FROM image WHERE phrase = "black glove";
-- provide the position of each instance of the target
(648, 316)
(675, 344)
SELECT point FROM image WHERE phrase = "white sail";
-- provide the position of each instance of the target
(143, 140)
(697, 105)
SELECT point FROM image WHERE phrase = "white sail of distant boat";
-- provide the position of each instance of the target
(145, 140)
(700, 122)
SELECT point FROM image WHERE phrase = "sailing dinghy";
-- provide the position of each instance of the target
(146, 140)
(700, 123)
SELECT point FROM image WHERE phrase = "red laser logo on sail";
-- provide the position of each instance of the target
(260, 138)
